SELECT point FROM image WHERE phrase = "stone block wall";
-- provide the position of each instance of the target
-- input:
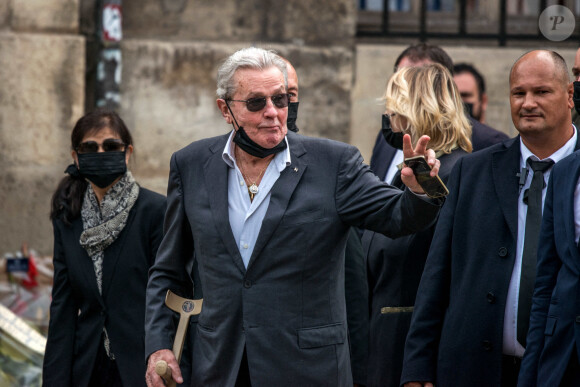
(41, 96)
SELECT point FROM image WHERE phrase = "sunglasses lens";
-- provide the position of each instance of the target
(109, 145)
(256, 104)
(113, 145)
(88, 147)
(280, 100)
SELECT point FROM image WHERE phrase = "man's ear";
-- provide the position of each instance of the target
(221, 103)
(484, 102)
(571, 95)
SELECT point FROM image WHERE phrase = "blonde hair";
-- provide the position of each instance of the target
(426, 101)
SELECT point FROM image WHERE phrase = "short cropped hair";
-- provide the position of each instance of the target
(246, 58)
(461, 68)
(424, 51)
(559, 64)
(426, 101)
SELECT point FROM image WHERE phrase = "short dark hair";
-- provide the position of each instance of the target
(461, 68)
(423, 51)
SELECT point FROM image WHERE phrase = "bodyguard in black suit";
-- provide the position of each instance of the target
(464, 326)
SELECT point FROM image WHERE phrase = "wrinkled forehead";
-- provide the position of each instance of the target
(250, 81)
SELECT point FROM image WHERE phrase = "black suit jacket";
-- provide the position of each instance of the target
(78, 312)
(456, 333)
(287, 309)
(394, 268)
(482, 136)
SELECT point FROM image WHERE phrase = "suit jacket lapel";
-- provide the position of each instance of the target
(216, 180)
(384, 158)
(280, 195)
(505, 167)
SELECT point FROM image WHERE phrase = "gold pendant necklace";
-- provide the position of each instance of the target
(253, 188)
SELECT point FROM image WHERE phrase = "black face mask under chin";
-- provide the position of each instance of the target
(292, 116)
(394, 139)
(248, 145)
(576, 96)
(102, 168)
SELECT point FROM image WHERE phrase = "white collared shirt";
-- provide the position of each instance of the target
(511, 346)
(246, 216)
(398, 158)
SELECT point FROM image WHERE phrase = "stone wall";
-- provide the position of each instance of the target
(41, 96)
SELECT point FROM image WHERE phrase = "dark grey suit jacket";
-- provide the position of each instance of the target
(288, 308)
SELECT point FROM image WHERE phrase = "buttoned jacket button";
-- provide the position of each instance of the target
(486, 345)
(491, 298)
(247, 284)
(502, 252)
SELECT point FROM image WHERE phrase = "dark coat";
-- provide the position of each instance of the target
(394, 268)
(357, 307)
(554, 330)
(287, 309)
(456, 333)
(78, 312)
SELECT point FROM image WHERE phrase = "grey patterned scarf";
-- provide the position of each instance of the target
(103, 223)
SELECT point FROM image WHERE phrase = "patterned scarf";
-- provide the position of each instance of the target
(103, 223)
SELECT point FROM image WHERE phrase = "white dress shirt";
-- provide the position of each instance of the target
(246, 216)
(398, 158)
(511, 346)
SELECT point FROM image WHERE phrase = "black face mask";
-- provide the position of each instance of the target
(248, 145)
(576, 96)
(102, 168)
(469, 109)
(292, 116)
(244, 141)
(394, 139)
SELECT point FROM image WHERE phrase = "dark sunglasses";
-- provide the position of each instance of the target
(258, 103)
(109, 145)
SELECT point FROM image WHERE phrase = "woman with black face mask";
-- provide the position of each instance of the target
(106, 233)
(419, 101)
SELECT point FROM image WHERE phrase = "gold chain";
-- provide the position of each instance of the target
(252, 188)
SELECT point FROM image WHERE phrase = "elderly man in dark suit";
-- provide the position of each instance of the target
(472, 307)
(266, 213)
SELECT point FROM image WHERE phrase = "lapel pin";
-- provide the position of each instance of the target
(295, 169)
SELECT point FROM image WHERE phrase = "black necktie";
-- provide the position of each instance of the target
(533, 222)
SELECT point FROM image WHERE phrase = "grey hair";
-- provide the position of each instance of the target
(246, 58)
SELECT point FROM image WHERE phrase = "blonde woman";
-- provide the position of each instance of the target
(418, 101)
